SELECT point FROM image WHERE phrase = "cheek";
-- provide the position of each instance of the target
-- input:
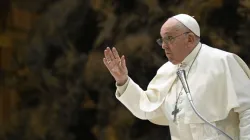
(171, 47)
(183, 44)
(174, 48)
(177, 50)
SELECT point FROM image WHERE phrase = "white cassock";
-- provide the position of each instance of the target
(219, 82)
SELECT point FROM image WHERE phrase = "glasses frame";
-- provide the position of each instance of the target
(168, 39)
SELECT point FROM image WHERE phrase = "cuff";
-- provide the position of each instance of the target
(121, 89)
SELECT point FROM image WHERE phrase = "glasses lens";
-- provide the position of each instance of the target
(159, 41)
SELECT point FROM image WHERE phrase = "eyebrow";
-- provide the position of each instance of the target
(172, 31)
(168, 34)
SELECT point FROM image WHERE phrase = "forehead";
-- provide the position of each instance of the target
(170, 27)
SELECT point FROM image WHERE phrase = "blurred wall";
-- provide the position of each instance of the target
(53, 82)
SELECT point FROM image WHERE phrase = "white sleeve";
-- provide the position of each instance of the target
(240, 76)
(129, 95)
(244, 111)
(121, 89)
(244, 125)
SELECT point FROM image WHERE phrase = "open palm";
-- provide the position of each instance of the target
(116, 65)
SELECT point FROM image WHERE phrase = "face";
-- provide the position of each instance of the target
(175, 41)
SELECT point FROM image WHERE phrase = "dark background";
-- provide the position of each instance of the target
(54, 85)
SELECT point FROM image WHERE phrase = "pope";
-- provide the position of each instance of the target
(219, 84)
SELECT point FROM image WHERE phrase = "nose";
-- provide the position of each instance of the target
(164, 46)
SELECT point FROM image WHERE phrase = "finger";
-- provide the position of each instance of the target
(111, 55)
(107, 56)
(106, 63)
(123, 62)
(109, 66)
(116, 54)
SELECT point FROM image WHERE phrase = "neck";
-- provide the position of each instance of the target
(190, 53)
(187, 53)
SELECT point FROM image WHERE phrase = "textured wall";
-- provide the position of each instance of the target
(54, 85)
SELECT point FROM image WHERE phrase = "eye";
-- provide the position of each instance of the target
(169, 37)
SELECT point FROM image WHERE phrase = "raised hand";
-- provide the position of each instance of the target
(116, 65)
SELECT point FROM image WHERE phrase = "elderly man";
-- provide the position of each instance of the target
(219, 82)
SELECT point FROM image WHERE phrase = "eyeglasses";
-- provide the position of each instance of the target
(168, 39)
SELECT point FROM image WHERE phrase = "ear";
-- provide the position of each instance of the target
(191, 39)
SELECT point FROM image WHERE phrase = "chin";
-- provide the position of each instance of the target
(173, 61)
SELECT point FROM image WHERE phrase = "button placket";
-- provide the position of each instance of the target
(180, 100)
(180, 106)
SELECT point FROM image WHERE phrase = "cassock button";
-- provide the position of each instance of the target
(180, 101)
(183, 65)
